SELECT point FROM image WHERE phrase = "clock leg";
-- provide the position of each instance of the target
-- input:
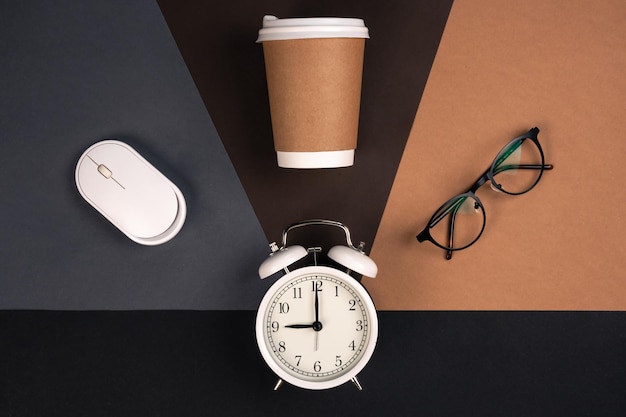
(279, 384)
(356, 383)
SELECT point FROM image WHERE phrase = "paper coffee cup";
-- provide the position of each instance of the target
(314, 70)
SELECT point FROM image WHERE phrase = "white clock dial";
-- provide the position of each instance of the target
(317, 327)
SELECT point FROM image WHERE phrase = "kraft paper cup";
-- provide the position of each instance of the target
(314, 70)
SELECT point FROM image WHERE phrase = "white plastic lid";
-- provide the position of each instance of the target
(275, 29)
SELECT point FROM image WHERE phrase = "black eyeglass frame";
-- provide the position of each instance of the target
(456, 202)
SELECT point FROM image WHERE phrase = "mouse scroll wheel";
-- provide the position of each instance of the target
(106, 172)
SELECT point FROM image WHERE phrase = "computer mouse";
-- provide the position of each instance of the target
(130, 192)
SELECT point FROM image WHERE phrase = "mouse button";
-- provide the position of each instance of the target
(108, 151)
(94, 187)
(149, 208)
(115, 160)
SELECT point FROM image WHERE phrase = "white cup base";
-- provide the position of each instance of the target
(322, 159)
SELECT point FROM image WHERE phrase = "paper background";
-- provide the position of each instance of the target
(501, 69)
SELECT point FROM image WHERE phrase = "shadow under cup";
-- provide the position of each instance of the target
(314, 70)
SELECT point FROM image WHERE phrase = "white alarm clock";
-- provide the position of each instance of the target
(317, 326)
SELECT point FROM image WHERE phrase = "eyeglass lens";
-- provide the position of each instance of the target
(458, 223)
(518, 166)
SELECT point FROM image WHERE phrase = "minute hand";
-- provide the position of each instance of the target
(317, 324)
(317, 306)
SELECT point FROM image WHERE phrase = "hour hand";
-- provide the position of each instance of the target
(300, 326)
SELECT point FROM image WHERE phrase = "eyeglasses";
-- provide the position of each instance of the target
(516, 170)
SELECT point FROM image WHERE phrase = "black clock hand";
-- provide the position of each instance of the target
(317, 306)
(317, 324)
(300, 326)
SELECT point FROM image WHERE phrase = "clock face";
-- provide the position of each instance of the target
(316, 327)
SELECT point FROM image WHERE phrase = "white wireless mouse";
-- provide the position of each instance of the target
(130, 192)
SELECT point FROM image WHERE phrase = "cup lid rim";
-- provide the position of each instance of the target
(311, 27)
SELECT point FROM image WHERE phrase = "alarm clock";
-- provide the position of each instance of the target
(317, 327)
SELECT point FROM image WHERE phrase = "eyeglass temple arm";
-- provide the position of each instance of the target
(451, 233)
(503, 168)
(423, 235)
(485, 177)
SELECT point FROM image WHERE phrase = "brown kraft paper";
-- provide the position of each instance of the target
(314, 91)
